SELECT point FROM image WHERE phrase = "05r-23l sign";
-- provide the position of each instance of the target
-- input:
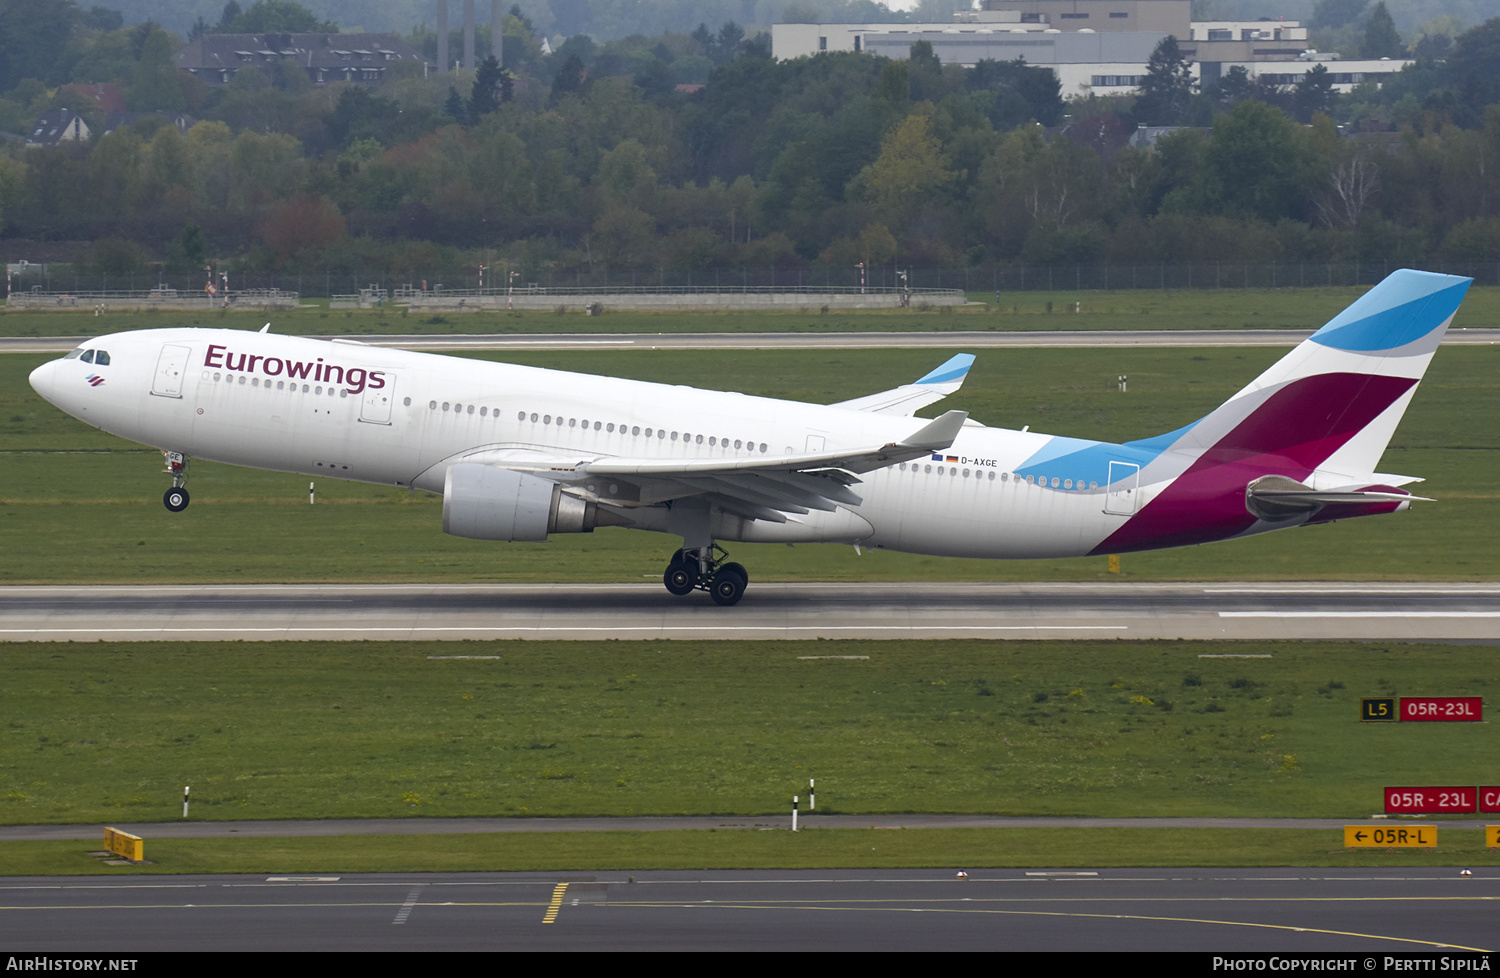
(1449, 709)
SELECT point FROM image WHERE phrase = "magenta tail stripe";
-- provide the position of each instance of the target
(1291, 434)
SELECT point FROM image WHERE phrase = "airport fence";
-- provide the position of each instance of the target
(980, 279)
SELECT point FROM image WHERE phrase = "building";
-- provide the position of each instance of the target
(1096, 47)
(56, 127)
(364, 58)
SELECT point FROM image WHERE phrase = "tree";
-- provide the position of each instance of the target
(229, 15)
(1381, 38)
(302, 221)
(1350, 186)
(1314, 93)
(1167, 87)
(34, 34)
(727, 44)
(1256, 164)
(1334, 14)
(490, 89)
(910, 170)
(1475, 62)
(275, 16)
(456, 107)
(156, 85)
(1022, 93)
(570, 78)
(361, 114)
(1233, 87)
(188, 252)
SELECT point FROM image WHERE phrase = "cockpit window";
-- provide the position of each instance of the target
(101, 359)
(73, 354)
(88, 356)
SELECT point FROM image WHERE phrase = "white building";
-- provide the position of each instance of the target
(1094, 46)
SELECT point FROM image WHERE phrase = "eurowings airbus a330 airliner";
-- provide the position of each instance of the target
(519, 452)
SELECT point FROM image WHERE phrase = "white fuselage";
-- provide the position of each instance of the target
(328, 408)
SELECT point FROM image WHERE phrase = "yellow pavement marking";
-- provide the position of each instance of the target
(556, 904)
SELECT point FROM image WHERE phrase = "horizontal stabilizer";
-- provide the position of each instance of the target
(910, 398)
(1275, 497)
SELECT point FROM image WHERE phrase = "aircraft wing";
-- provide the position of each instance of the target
(910, 398)
(769, 486)
(764, 487)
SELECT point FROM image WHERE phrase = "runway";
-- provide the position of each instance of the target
(947, 339)
(1336, 611)
(1368, 914)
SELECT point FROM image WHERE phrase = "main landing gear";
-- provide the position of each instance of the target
(176, 498)
(705, 570)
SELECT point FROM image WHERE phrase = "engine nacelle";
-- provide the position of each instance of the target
(483, 502)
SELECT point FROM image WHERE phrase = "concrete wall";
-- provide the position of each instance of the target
(678, 301)
(43, 301)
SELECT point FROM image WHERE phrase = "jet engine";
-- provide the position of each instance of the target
(483, 502)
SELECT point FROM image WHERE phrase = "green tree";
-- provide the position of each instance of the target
(156, 85)
(1381, 38)
(361, 114)
(1023, 93)
(1314, 93)
(1334, 14)
(277, 17)
(33, 35)
(910, 170)
(570, 78)
(188, 252)
(1167, 87)
(491, 84)
(302, 221)
(1257, 164)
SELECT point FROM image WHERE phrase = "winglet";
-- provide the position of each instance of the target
(952, 372)
(910, 398)
(937, 435)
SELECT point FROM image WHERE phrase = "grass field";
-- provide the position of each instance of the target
(79, 505)
(265, 730)
(807, 849)
(1205, 309)
(105, 731)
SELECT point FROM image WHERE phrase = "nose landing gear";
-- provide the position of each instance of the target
(703, 569)
(176, 498)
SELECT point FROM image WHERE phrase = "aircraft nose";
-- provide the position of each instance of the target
(42, 380)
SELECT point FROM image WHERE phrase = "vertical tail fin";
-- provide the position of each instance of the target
(1333, 402)
(1321, 417)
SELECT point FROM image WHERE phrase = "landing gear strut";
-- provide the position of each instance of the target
(176, 498)
(705, 569)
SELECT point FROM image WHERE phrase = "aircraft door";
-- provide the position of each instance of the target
(169, 369)
(376, 406)
(1124, 488)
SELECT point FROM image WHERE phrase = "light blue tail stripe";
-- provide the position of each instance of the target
(1401, 310)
